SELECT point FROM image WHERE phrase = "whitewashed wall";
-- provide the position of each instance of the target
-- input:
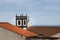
(56, 35)
(9, 35)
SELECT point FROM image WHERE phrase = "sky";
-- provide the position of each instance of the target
(40, 12)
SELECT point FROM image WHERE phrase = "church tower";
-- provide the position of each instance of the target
(22, 21)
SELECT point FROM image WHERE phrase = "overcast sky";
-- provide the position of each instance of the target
(40, 12)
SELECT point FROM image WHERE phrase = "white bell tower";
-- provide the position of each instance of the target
(22, 21)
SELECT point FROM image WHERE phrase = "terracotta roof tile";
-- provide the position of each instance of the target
(45, 30)
(16, 29)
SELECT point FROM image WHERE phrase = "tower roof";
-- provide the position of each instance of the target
(21, 17)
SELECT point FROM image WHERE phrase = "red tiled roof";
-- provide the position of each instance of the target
(16, 29)
(45, 30)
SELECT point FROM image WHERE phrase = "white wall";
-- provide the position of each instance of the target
(9, 35)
